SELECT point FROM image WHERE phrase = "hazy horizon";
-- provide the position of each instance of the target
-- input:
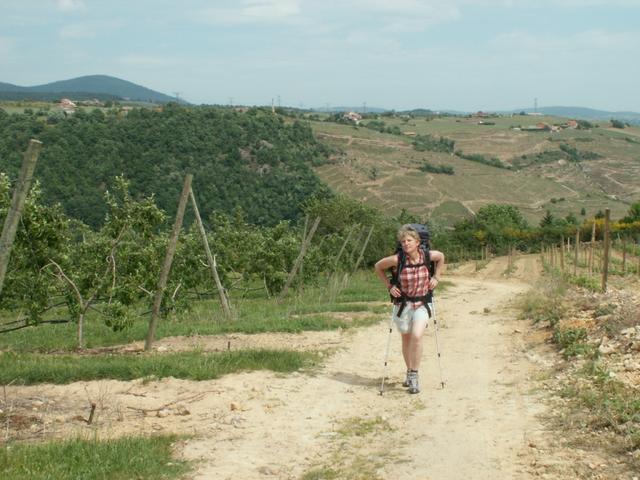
(463, 55)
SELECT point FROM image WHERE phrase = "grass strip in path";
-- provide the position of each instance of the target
(28, 369)
(125, 458)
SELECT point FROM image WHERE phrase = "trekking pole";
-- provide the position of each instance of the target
(386, 355)
(435, 329)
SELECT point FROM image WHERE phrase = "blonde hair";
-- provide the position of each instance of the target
(407, 230)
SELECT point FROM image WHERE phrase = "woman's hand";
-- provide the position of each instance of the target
(433, 282)
(395, 291)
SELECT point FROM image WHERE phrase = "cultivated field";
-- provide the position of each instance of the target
(383, 169)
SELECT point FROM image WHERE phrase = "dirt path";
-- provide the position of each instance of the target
(366, 141)
(482, 425)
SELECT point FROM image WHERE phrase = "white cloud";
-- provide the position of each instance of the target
(396, 15)
(271, 9)
(549, 3)
(592, 3)
(397, 6)
(401, 15)
(77, 31)
(70, 5)
(147, 61)
(371, 41)
(589, 41)
(252, 11)
(6, 46)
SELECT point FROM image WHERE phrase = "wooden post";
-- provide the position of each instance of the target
(605, 256)
(304, 235)
(364, 247)
(168, 260)
(514, 252)
(624, 254)
(344, 244)
(17, 203)
(576, 255)
(562, 253)
(224, 301)
(592, 246)
(296, 265)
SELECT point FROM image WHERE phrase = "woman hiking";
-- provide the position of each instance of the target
(410, 311)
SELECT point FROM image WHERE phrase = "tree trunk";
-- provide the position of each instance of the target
(17, 203)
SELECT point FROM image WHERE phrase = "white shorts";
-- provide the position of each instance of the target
(410, 316)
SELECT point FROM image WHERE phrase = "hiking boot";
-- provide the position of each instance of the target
(406, 380)
(414, 385)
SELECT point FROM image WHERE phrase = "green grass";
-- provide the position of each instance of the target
(606, 404)
(27, 369)
(352, 463)
(600, 410)
(253, 312)
(322, 473)
(542, 304)
(591, 283)
(572, 341)
(360, 427)
(121, 459)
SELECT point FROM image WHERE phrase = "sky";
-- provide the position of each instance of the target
(464, 55)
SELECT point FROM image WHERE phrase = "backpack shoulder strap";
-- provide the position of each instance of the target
(402, 260)
(431, 266)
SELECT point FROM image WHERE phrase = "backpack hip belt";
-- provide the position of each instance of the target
(402, 301)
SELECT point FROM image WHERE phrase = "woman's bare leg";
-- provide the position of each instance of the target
(415, 344)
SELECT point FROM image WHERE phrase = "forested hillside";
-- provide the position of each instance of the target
(253, 160)
(87, 87)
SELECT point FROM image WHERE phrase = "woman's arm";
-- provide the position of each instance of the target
(437, 258)
(381, 267)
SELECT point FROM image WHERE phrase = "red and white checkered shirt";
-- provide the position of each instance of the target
(414, 281)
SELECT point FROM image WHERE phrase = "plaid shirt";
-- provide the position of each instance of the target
(414, 281)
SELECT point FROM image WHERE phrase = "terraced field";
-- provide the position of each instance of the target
(383, 170)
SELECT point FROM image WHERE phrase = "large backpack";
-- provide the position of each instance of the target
(423, 231)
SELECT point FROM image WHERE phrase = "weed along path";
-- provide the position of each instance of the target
(331, 422)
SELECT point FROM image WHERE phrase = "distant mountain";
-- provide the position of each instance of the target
(7, 87)
(360, 109)
(103, 87)
(586, 113)
(581, 113)
(426, 112)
